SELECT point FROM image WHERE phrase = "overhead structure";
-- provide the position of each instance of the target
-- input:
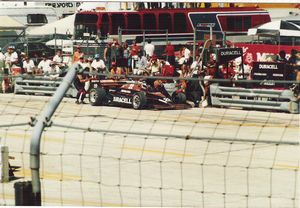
(63, 26)
(279, 27)
(7, 24)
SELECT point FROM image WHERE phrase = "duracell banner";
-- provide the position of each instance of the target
(269, 71)
(227, 54)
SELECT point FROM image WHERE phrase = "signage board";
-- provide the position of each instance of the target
(227, 54)
(269, 71)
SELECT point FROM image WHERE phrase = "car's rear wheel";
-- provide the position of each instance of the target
(139, 100)
(97, 96)
(179, 98)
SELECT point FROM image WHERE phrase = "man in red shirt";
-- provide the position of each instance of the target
(134, 49)
(170, 53)
(134, 54)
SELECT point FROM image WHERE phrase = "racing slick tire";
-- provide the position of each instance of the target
(139, 100)
(179, 98)
(97, 96)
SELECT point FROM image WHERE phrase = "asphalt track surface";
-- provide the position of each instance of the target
(212, 157)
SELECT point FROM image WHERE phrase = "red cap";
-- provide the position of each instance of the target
(154, 57)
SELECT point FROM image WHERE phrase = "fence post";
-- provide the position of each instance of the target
(167, 36)
(194, 45)
(55, 45)
(4, 164)
(144, 39)
(42, 122)
(120, 35)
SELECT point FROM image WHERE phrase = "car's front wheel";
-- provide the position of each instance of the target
(139, 100)
(97, 96)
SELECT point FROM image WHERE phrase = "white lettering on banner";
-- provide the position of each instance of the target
(268, 66)
(277, 75)
(260, 74)
(122, 100)
(230, 53)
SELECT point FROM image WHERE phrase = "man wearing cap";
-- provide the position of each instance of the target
(11, 57)
(44, 65)
(98, 64)
(28, 66)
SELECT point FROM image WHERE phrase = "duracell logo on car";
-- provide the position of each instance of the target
(122, 100)
(267, 66)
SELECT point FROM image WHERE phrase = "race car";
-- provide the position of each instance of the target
(135, 94)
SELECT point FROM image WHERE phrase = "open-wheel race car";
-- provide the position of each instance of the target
(135, 94)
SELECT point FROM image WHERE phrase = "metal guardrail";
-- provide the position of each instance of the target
(265, 99)
(40, 85)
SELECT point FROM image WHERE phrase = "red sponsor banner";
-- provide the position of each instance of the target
(260, 52)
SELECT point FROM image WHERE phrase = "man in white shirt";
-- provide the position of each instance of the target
(2, 59)
(58, 59)
(187, 54)
(82, 63)
(98, 64)
(149, 49)
(44, 65)
(28, 66)
(11, 58)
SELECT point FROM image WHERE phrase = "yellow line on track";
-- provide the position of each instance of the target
(289, 167)
(48, 175)
(224, 122)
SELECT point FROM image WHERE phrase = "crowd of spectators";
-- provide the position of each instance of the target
(121, 59)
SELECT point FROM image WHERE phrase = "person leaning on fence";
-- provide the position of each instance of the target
(79, 83)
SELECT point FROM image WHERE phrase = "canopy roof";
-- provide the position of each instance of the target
(280, 28)
(63, 26)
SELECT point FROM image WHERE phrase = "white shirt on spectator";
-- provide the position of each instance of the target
(149, 49)
(187, 54)
(98, 64)
(57, 59)
(29, 66)
(12, 57)
(83, 64)
(2, 57)
(45, 65)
